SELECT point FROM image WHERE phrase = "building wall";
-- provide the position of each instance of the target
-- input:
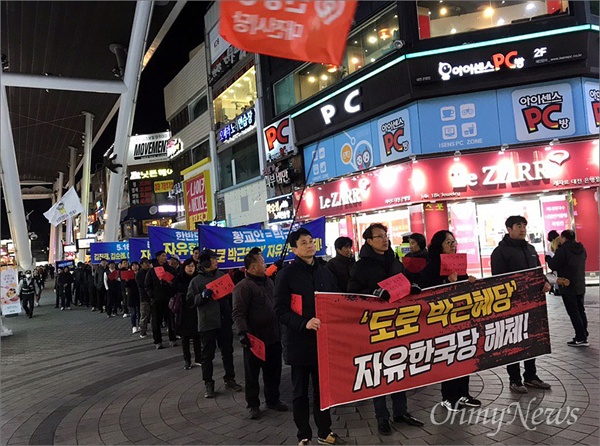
(195, 132)
(246, 204)
(188, 83)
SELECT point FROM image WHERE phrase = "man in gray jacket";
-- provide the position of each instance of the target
(214, 323)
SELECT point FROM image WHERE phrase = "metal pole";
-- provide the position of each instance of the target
(58, 252)
(12, 190)
(62, 83)
(52, 245)
(85, 179)
(139, 32)
(72, 160)
(258, 108)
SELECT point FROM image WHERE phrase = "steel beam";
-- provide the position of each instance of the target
(85, 179)
(62, 83)
(133, 70)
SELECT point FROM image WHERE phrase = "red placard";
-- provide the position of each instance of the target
(484, 174)
(307, 31)
(160, 272)
(453, 263)
(398, 286)
(114, 275)
(257, 347)
(369, 347)
(296, 304)
(168, 277)
(221, 287)
(127, 275)
(414, 264)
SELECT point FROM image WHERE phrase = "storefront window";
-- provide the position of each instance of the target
(239, 163)
(367, 45)
(236, 99)
(442, 18)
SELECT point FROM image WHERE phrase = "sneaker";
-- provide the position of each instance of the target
(304, 442)
(518, 387)
(62, 308)
(68, 308)
(278, 407)
(158, 346)
(468, 401)
(134, 329)
(173, 344)
(254, 413)
(108, 315)
(93, 309)
(37, 304)
(143, 335)
(187, 366)
(575, 343)
(537, 383)
(125, 315)
(232, 385)
(210, 390)
(331, 439)
(408, 419)
(384, 428)
(447, 404)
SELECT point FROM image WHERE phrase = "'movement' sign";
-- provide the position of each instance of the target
(144, 149)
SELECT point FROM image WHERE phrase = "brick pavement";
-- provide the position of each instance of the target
(76, 377)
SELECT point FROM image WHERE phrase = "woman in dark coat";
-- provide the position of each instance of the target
(455, 392)
(188, 324)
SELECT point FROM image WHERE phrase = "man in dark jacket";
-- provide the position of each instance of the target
(99, 282)
(159, 291)
(140, 279)
(214, 323)
(514, 253)
(254, 313)
(377, 263)
(301, 279)
(569, 262)
(343, 262)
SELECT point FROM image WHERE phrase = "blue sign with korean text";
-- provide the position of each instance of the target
(354, 150)
(173, 241)
(138, 248)
(232, 244)
(322, 167)
(111, 251)
(63, 263)
(462, 122)
(241, 123)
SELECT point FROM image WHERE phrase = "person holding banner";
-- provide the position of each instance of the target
(295, 287)
(254, 315)
(112, 285)
(214, 323)
(455, 392)
(158, 286)
(342, 263)
(514, 253)
(377, 263)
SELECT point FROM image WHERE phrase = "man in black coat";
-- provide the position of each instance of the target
(569, 262)
(377, 263)
(254, 313)
(145, 310)
(343, 262)
(514, 253)
(301, 279)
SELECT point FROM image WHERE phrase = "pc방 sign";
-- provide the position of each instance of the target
(279, 139)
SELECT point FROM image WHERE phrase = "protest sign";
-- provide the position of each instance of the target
(257, 347)
(453, 263)
(221, 287)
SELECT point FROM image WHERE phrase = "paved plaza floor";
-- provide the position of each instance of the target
(77, 377)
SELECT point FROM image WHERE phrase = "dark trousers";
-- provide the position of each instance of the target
(92, 296)
(100, 298)
(134, 314)
(453, 389)
(224, 338)
(77, 297)
(27, 302)
(65, 297)
(185, 346)
(300, 404)
(398, 406)
(160, 310)
(145, 311)
(514, 371)
(112, 299)
(576, 311)
(271, 375)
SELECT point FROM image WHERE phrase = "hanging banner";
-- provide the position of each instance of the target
(306, 31)
(198, 202)
(111, 251)
(172, 241)
(138, 248)
(443, 333)
(68, 206)
(232, 244)
(11, 304)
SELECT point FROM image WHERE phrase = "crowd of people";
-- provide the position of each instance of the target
(167, 293)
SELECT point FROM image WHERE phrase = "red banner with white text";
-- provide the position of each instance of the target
(443, 333)
(311, 31)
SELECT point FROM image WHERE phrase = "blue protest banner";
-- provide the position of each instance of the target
(138, 248)
(173, 241)
(232, 244)
(111, 251)
(63, 263)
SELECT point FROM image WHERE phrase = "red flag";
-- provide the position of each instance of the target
(314, 31)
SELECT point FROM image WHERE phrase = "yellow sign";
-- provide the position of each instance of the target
(161, 187)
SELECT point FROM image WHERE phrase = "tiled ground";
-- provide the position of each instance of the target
(76, 377)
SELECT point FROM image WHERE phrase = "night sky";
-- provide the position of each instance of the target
(186, 33)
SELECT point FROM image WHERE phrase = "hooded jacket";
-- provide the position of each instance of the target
(299, 343)
(513, 255)
(341, 266)
(372, 268)
(212, 314)
(569, 262)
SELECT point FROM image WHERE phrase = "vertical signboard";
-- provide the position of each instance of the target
(9, 298)
(393, 136)
(279, 139)
(591, 100)
(198, 202)
(556, 214)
